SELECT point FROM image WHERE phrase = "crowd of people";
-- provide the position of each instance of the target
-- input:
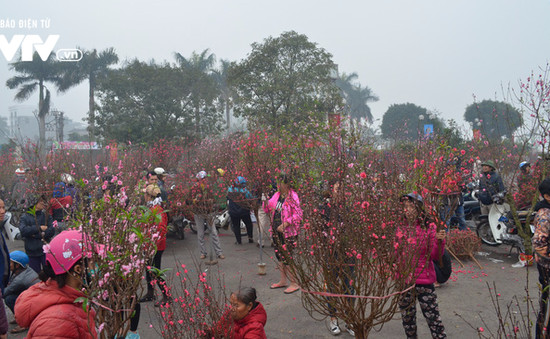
(41, 287)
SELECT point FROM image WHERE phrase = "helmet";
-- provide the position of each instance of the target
(159, 171)
(65, 251)
(20, 257)
(201, 175)
(523, 164)
(67, 179)
(240, 180)
(413, 196)
(221, 171)
(20, 171)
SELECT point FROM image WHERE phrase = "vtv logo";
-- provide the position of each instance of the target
(29, 43)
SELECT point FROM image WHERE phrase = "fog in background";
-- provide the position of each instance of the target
(435, 54)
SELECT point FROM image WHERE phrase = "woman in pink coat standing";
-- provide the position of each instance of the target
(286, 216)
(429, 244)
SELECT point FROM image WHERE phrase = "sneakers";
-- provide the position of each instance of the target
(221, 256)
(334, 328)
(133, 335)
(203, 256)
(350, 331)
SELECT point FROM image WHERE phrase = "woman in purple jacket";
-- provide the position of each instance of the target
(286, 216)
(429, 245)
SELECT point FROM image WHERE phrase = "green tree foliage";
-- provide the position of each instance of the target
(33, 75)
(284, 80)
(142, 103)
(91, 67)
(495, 119)
(406, 122)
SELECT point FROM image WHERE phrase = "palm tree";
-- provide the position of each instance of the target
(221, 75)
(197, 70)
(358, 100)
(356, 97)
(92, 66)
(34, 75)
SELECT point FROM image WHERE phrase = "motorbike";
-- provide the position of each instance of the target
(221, 220)
(10, 231)
(177, 226)
(472, 208)
(498, 226)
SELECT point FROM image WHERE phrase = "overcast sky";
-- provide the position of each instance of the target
(437, 54)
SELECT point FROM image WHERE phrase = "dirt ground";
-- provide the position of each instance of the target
(465, 294)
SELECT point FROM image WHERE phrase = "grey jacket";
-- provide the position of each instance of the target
(20, 282)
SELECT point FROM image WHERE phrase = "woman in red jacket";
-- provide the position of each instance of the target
(429, 244)
(49, 309)
(152, 196)
(249, 316)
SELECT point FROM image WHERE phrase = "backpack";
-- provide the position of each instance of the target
(443, 273)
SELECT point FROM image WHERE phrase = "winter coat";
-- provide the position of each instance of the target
(21, 282)
(542, 234)
(4, 259)
(291, 213)
(31, 233)
(252, 325)
(60, 207)
(425, 241)
(490, 184)
(51, 312)
(161, 227)
(234, 194)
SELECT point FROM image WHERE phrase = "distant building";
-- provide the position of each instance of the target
(23, 124)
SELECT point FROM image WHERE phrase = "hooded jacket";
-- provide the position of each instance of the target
(51, 312)
(252, 325)
(30, 231)
(291, 212)
(427, 249)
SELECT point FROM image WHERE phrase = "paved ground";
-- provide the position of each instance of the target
(466, 293)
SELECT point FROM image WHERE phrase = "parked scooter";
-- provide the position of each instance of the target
(10, 231)
(498, 226)
(472, 208)
(221, 220)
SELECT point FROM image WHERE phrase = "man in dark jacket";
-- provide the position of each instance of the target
(22, 278)
(36, 229)
(239, 197)
(4, 271)
(489, 185)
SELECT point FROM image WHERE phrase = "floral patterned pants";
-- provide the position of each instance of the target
(428, 304)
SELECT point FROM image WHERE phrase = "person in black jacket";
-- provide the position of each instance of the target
(4, 272)
(36, 228)
(238, 196)
(489, 185)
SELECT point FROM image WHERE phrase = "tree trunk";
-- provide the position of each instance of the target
(91, 110)
(227, 113)
(41, 117)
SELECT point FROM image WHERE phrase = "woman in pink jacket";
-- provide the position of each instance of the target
(286, 216)
(429, 245)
